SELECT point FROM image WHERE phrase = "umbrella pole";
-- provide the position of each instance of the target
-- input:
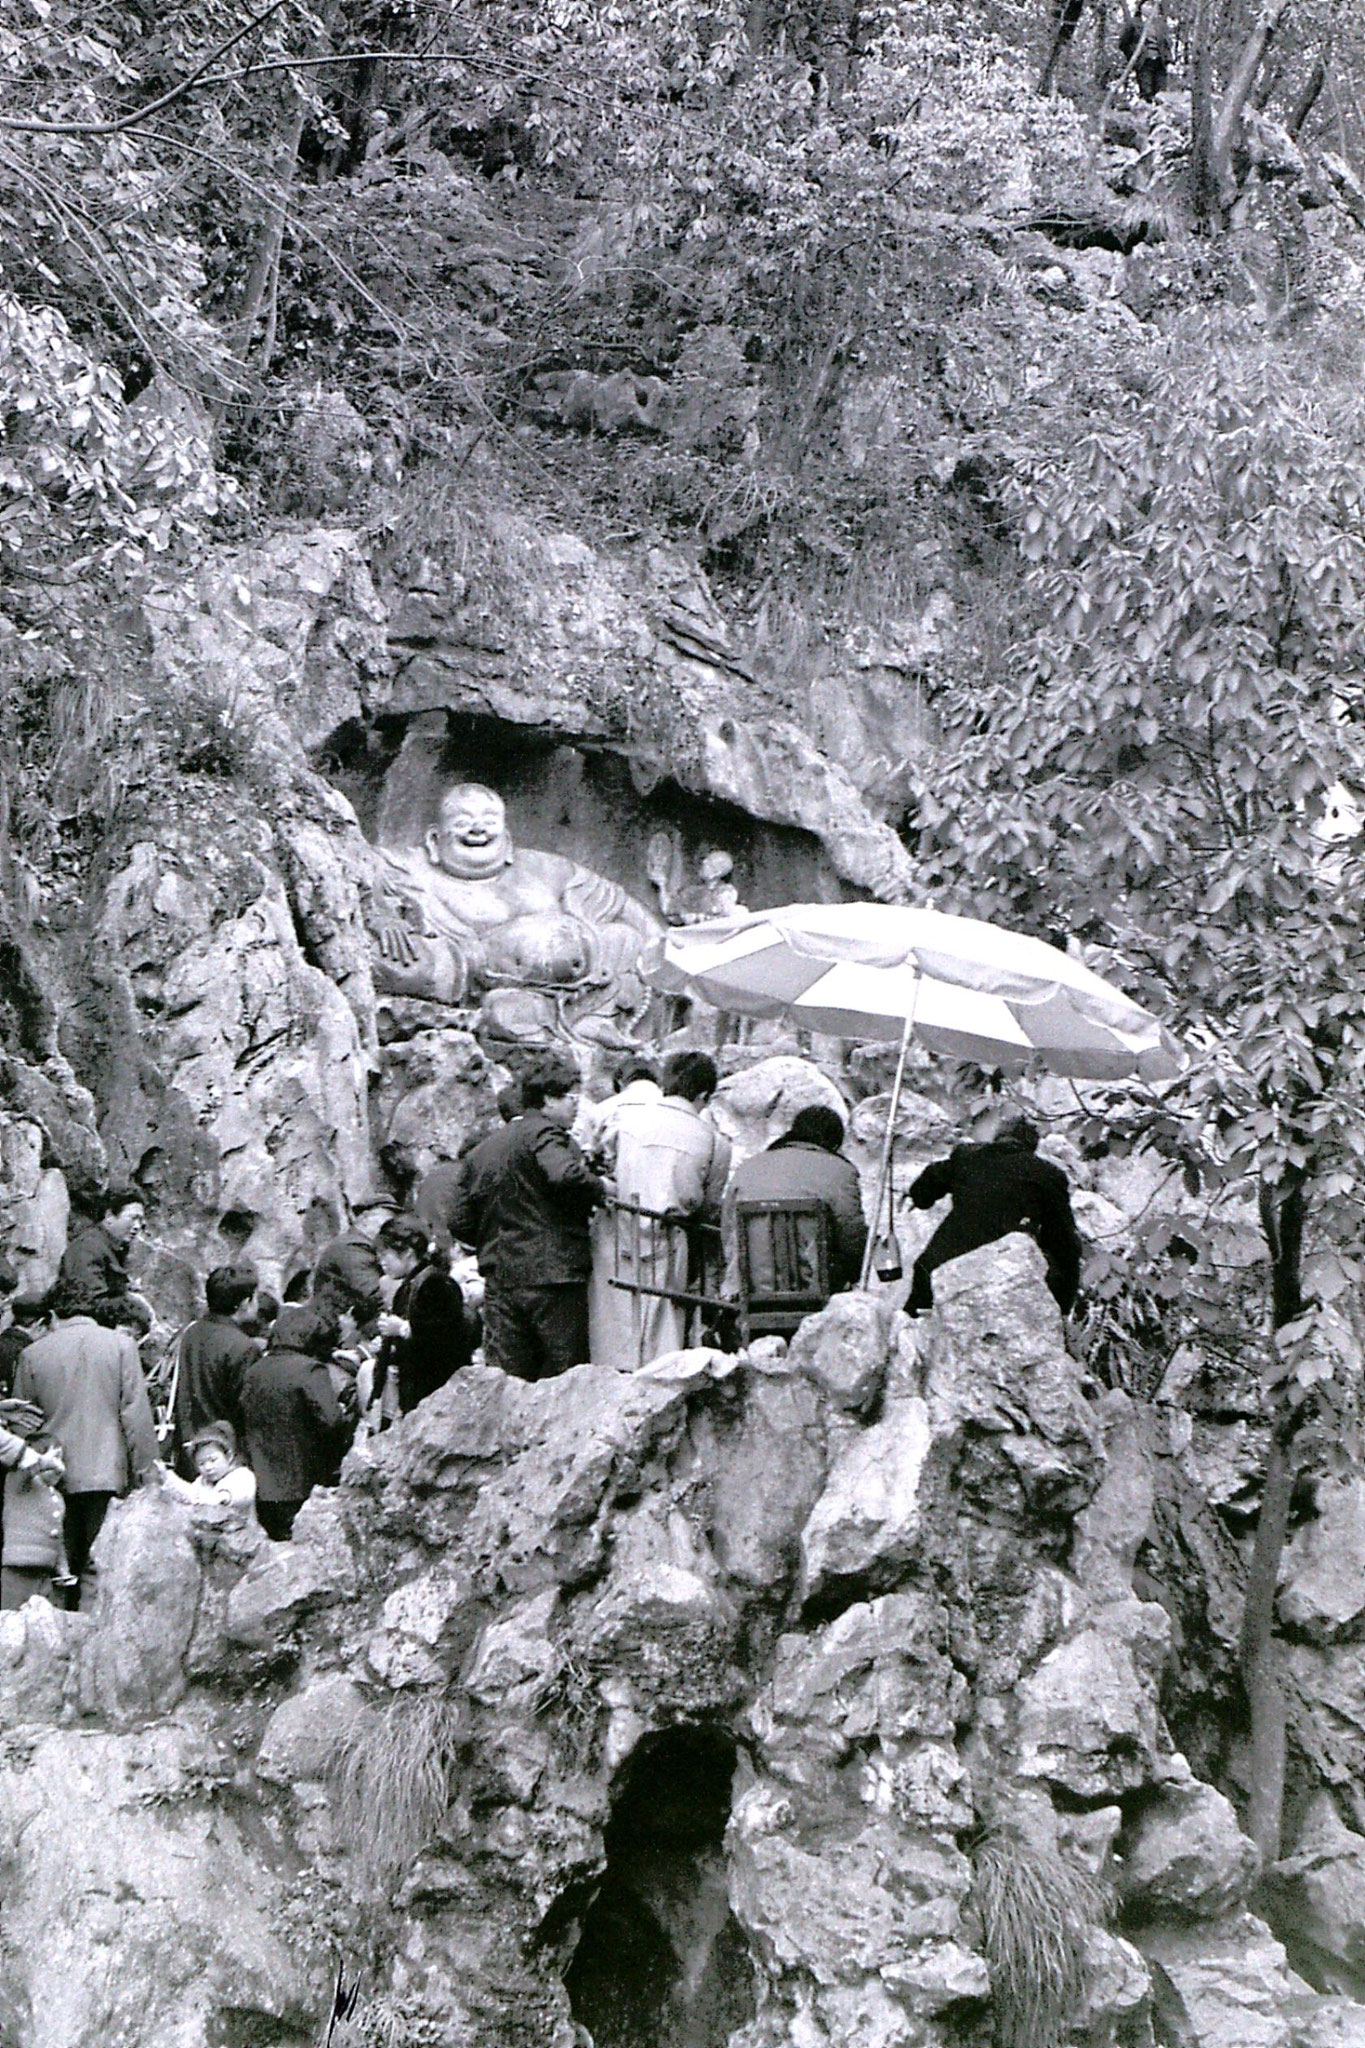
(887, 1143)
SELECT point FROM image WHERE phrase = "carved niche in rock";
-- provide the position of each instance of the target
(464, 916)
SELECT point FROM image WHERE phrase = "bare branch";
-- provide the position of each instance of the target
(168, 99)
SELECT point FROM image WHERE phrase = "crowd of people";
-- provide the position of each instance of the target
(566, 1233)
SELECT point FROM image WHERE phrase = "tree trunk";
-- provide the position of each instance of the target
(1308, 98)
(1260, 1655)
(1239, 90)
(261, 279)
(1284, 1209)
(1067, 20)
(1207, 199)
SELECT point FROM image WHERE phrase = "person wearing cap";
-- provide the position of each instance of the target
(214, 1353)
(296, 1435)
(221, 1479)
(996, 1189)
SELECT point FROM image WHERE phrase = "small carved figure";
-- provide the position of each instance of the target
(711, 894)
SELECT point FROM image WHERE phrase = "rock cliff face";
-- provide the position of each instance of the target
(203, 1020)
(724, 1703)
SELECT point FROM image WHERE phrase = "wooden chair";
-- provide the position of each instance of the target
(783, 1252)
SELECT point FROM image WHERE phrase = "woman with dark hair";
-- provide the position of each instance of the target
(807, 1165)
(296, 1435)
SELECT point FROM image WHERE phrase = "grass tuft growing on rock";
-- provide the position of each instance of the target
(1036, 1913)
(394, 1781)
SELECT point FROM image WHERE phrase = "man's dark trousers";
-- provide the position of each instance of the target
(82, 1522)
(535, 1333)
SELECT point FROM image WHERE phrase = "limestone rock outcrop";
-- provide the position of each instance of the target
(676, 1702)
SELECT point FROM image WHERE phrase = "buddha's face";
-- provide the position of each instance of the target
(470, 835)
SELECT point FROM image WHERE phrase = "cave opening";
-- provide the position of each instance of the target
(661, 1961)
(578, 799)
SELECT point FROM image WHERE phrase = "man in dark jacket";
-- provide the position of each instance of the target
(94, 1268)
(352, 1271)
(214, 1353)
(88, 1382)
(348, 1275)
(295, 1434)
(527, 1211)
(996, 1189)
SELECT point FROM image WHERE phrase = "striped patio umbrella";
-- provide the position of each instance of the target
(966, 989)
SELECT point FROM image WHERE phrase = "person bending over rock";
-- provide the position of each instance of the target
(296, 1435)
(527, 1211)
(996, 1189)
(356, 1274)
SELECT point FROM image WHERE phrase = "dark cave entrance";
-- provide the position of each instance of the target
(580, 800)
(661, 1961)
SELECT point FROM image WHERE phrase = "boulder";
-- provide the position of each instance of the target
(39, 1646)
(880, 1670)
(1118, 1986)
(846, 1348)
(1087, 1716)
(568, 1447)
(1320, 1890)
(1221, 1984)
(136, 1913)
(436, 1087)
(425, 1627)
(1327, 2023)
(755, 1106)
(767, 1472)
(1186, 1854)
(307, 1733)
(995, 1364)
(1111, 1529)
(34, 1206)
(867, 1523)
(147, 1596)
(1322, 1577)
(514, 1661)
(288, 634)
(247, 1079)
(660, 1622)
(286, 1581)
(842, 1903)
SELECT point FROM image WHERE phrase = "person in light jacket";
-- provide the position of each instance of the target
(88, 1382)
(658, 1150)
